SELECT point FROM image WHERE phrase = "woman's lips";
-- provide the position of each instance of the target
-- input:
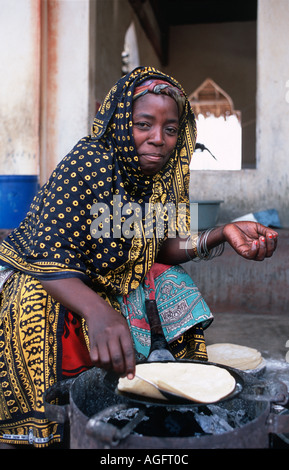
(150, 163)
(152, 157)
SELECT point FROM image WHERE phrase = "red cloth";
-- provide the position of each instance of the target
(75, 355)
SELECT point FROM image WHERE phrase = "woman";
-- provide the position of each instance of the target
(100, 239)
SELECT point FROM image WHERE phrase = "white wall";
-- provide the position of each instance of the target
(65, 79)
(44, 51)
(19, 86)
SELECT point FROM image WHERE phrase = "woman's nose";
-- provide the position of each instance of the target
(156, 136)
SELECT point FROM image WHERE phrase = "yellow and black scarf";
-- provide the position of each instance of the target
(68, 233)
(57, 239)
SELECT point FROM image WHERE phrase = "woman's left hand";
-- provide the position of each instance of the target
(251, 239)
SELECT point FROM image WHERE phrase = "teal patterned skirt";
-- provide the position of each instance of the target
(183, 312)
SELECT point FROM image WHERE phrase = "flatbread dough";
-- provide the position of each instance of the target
(202, 383)
(234, 355)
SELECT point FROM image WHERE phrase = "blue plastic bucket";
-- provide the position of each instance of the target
(16, 194)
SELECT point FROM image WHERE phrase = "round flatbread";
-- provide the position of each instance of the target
(202, 383)
(234, 355)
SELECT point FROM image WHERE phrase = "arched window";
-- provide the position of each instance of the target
(219, 129)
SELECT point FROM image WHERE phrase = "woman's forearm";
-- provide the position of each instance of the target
(250, 240)
(75, 295)
(110, 341)
(177, 250)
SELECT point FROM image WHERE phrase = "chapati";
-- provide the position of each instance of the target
(202, 383)
(234, 355)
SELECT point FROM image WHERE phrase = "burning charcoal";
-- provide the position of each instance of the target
(240, 418)
(126, 414)
(212, 424)
(229, 419)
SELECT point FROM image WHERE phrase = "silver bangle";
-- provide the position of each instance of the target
(203, 253)
(193, 240)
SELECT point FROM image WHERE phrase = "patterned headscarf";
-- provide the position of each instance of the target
(94, 190)
(161, 87)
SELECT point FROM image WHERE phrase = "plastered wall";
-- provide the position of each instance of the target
(61, 59)
(19, 87)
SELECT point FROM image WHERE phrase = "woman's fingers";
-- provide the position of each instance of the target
(263, 247)
(123, 356)
(267, 245)
(251, 240)
(129, 356)
(111, 345)
(117, 358)
(116, 354)
(271, 242)
(268, 239)
(100, 355)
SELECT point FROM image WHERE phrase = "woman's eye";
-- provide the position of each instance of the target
(141, 125)
(172, 130)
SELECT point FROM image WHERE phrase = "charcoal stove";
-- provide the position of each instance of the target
(100, 418)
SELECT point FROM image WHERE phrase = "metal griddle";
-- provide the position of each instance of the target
(111, 381)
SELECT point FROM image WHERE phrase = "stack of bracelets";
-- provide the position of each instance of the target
(199, 246)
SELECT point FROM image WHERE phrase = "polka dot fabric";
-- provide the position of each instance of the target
(78, 224)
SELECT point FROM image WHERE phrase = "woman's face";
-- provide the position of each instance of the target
(155, 130)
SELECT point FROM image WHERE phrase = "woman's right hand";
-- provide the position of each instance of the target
(111, 345)
(110, 341)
